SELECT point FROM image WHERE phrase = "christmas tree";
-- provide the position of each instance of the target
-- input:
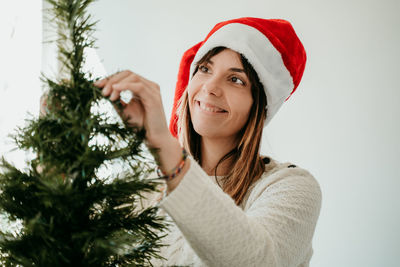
(71, 213)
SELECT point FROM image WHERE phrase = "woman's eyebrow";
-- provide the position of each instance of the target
(236, 70)
(231, 69)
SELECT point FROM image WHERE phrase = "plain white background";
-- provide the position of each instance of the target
(20, 65)
(341, 124)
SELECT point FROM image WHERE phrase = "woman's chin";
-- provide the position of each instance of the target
(207, 130)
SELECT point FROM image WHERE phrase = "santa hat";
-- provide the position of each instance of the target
(272, 48)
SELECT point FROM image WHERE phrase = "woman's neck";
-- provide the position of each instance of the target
(212, 150)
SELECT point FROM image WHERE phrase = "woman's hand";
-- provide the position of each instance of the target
(43, 104)
(145, 108)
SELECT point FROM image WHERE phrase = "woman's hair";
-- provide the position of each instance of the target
(247, 165)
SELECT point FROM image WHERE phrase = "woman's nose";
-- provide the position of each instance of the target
(213, 86)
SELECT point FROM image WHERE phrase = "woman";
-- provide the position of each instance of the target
(230, 206)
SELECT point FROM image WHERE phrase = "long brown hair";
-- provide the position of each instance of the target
(247, 165)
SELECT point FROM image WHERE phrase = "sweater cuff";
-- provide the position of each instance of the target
(188, 194)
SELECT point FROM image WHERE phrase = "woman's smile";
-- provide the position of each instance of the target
(209, 109)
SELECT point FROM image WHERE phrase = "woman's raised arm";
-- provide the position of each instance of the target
(146, 110)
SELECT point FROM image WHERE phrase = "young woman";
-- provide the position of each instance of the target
(229, 205)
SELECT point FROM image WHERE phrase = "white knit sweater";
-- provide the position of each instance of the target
(273, 226)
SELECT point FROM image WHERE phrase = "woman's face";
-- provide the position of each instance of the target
(220, 96)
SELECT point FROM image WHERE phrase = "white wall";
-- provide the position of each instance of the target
(20, 64)
(341, 123)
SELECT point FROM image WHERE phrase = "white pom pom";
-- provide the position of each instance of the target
(126, 96)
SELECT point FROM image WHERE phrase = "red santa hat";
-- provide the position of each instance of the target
(271, 46)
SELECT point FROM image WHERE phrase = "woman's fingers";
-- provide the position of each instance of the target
(144, 109)
(101, 83)
(107, 90)
(43, 104)
(109, 81)
(137, 88)
(141, 88)
(114, 95)
(121, 79)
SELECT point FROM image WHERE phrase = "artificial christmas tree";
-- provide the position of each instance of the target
(70, 212)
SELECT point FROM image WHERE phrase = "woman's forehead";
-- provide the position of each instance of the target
(226, 57)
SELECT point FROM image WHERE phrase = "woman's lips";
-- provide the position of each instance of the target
(208, 108)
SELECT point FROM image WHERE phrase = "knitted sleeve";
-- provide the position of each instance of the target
(275, 230)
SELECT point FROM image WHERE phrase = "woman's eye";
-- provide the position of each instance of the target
(203, 69)
(237, 80)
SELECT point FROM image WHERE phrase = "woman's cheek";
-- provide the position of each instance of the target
(191, 89)
(245, 107)
(242, 102)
